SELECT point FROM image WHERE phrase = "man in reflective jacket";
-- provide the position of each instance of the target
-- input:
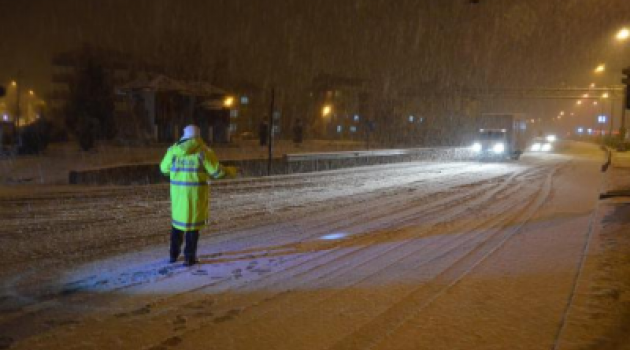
(190, 164)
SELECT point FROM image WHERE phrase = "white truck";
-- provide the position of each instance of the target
(499, 136)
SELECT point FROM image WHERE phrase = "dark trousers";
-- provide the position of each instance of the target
(177, 238)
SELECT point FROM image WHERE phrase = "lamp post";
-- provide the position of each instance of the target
(622, 35)
(17, 85)
(326, 113)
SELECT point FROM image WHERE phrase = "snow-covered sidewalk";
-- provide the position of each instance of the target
(600, 315)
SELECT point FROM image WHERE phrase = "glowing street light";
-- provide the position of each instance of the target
(600, 69)
(605, 95)
(592, 85)
(594, 103)
(585, 95)
(579, 102)
(326, 110)
(228, 102)
(14, 83)
(31, 92)
(623, 34)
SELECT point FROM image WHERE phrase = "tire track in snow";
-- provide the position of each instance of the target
(458, 198)
(267, 300)
(447, 185)
(357, 215)
(390, 322)
(414, 215)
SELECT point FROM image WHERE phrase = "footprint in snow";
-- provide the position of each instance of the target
(228, 316)
(172, 341)
(142, 311)
(179, 320)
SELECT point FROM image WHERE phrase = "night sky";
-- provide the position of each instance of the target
(398, 44)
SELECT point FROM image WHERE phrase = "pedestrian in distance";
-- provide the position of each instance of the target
(298, 132)
(263, 133)
(190, 164)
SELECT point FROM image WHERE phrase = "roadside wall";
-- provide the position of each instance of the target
(150, 173)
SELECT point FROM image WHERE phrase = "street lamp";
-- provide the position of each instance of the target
(326, 110)
(600, 69)
(623, 34)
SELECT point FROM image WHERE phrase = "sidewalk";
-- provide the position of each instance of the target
(53, 167)
(600, 315)
(618, 178)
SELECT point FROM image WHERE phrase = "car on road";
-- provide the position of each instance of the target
(542, 144)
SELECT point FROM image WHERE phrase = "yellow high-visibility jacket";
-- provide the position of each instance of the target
(190, 164)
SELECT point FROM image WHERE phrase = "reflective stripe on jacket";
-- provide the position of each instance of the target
(190, 164)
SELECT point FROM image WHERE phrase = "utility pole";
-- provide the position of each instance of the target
(270, 132)
(18, 86)
(610, 129)
(625, 102)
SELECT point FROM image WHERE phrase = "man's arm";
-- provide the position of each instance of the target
(167, 162)
(211, 164)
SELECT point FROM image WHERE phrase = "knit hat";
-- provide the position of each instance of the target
(191, 131)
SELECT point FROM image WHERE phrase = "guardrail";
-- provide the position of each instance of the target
(298, 157)
(288, 164)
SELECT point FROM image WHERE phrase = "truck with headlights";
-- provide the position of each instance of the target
(499, 136)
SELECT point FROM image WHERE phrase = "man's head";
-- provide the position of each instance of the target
(191, 131)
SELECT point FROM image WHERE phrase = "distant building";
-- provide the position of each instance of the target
(162, 106)
(148, 105)
(339, 107)
(120, 67)
(247, 109)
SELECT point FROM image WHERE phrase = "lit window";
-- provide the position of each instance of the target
(244, 100)
(339, 128)
(421, 119)
(353, 129)
(411, 118)
(356, 118)
(232, 127)
(234, 113)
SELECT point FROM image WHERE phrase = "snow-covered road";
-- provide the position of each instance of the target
(424, 255)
